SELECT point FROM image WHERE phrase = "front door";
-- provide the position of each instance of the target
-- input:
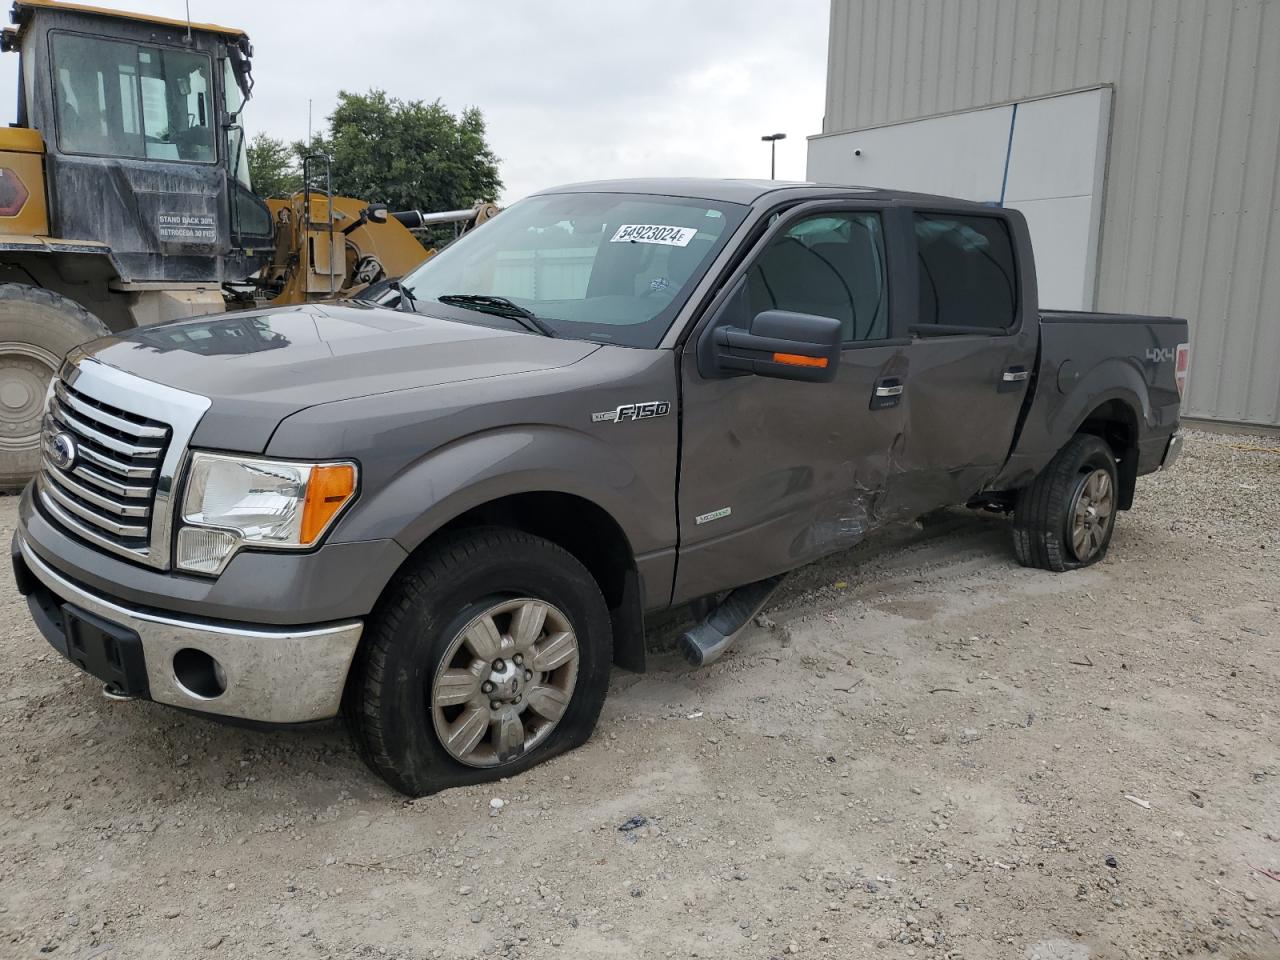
(776, 473)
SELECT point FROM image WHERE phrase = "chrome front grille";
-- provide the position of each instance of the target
(110, 482)
(113, 446)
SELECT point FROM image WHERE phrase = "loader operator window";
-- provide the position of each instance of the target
(237, 149)
(611, 267)
(118, 99)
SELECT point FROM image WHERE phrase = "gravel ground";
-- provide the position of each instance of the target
(924, 751)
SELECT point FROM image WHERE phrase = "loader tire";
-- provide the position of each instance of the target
(37, 328)
(1065, 518)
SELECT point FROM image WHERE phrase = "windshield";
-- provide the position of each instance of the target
(120, 99)
(612, 267)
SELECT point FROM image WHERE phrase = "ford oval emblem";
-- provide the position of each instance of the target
(62, 451)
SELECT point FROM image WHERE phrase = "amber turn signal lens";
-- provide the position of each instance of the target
(328, 489)
(796, 360)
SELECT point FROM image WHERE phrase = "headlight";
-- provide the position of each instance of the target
(235, 501)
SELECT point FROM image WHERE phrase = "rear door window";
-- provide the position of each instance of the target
(967, 272)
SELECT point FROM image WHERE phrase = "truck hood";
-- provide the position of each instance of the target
(259, 367)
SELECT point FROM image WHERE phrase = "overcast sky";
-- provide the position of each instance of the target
(571, 89)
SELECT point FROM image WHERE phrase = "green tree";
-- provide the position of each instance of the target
(408, 154)
(272, 170)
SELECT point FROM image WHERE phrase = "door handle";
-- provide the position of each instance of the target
(1013, 376)
(887, 393)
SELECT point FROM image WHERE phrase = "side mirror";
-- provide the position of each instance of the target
(781, 344)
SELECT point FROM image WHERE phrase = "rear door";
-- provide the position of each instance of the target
(972, 352)
(775, 473)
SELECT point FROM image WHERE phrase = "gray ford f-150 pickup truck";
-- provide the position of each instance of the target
(446, 514)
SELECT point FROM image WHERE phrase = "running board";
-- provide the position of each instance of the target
(715, 633)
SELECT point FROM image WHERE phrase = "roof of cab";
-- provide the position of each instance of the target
(22, 10)
(751, 191)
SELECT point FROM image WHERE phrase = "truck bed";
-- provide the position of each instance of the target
(1090, 362)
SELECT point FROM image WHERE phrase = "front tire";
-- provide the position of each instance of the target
(487, 656)
(37, 328)
(1065, 518)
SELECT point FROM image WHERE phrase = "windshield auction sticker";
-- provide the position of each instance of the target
(653, 233)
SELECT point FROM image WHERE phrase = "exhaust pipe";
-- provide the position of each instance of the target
(708, 640)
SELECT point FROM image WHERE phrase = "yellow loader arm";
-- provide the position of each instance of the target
(340, 245)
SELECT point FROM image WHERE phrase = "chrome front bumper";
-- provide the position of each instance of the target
(272, 674)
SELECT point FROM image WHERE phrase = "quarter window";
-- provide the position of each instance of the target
(967, 272)
(119, 99)
(831, 265)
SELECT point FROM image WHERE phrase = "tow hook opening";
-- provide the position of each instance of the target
(112, 691)
(199, 674)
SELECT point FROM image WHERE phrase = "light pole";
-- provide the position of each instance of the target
(772, 140)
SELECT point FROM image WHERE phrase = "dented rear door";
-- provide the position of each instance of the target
(973, 351)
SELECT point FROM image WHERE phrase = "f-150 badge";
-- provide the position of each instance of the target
(633, 411)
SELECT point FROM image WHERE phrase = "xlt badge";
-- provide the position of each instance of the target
(633, 411)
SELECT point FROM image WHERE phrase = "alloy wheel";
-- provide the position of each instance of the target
(505, 681)
(1091, 512)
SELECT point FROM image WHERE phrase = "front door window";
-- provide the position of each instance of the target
(830, 265)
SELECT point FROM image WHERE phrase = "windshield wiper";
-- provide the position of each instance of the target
(501, 307)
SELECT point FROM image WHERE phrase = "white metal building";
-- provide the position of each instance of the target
(1141, 139)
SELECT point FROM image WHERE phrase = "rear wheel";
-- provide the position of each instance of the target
(37, 328)
(488, 656)
(1065, 518)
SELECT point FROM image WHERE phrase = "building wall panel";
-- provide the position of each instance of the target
(1191, 217)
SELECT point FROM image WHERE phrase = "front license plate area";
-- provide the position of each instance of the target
(106, 650)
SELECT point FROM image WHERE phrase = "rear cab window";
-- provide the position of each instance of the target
(966, 272)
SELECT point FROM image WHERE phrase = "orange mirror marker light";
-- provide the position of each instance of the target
(796, 360)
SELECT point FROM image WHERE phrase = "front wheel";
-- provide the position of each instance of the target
(486, 657)
(1065, 518)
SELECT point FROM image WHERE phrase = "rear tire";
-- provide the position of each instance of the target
(1065, 518)
(485, 657)
(37, 328)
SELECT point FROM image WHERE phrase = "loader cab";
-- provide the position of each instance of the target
(144, 142)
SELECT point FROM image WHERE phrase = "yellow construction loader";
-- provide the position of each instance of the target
(125, 199)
